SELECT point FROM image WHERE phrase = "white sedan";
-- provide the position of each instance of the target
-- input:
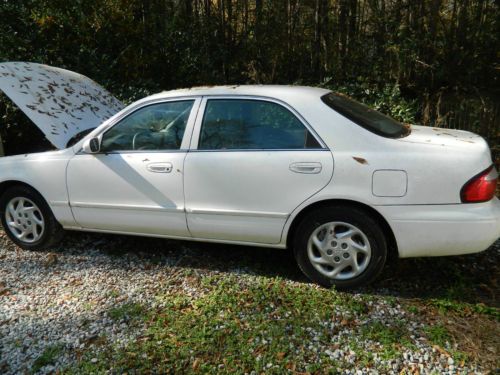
(278, 166)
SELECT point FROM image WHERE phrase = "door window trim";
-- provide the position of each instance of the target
(188, 131)
(195, 137)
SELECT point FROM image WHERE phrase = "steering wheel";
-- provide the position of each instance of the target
(135, 138)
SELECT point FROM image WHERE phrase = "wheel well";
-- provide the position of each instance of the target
(8, 184)
(392, 246)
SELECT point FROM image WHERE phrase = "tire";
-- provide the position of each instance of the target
(30, 213)
(353, 247)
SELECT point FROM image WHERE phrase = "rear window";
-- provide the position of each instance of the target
(366, 117)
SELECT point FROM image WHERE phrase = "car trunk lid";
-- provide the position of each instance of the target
(455, 142)
(442, 137)
(60, 102)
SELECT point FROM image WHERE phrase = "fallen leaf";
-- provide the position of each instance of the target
(196, 364)
(50, 259)
(441, 350)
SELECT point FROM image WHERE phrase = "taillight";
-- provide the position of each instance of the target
(480, 188)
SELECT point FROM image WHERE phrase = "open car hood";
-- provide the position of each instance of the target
(60, 102)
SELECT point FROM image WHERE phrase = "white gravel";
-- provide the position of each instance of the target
(62, 299)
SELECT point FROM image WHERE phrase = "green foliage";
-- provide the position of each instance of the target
(48, 357)
(237, 326)
(398, 57)
(163, 44)
(387, 334)
(251, 324)
(385, 98)
(438, 335)
(128, 310)
(445, 305)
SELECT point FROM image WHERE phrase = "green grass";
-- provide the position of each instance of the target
(113, 293)
(357, 306)
(236, 327)
(248, 324)
(445, 305)
(438, 335)
(128, 310)
(386, 334)
(48, 357)
(257, 323)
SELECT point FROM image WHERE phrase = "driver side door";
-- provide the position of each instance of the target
(134, 184)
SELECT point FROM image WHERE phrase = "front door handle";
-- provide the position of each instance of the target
(159, 167)
(306, 167)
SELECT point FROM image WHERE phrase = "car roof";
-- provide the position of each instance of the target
(282, 92)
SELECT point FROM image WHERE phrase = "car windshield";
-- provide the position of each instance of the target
(366, 117)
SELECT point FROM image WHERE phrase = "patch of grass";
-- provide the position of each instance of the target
(391, 301)
(128, 310)
(357, 306)
(438, 335)
(390, 352)
(48, 357)
(459, 356)
(413, 309)
(392, 337)
(459, 289)
(387, 335)
(365, 358)
(263, 325)
(89, 306)
(463, 308)
(113, 293)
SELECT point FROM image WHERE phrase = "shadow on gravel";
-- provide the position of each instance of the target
(470, 278)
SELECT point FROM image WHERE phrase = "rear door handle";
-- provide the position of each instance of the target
(159, 167)
(306, 167)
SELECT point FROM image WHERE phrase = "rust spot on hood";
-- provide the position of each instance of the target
(360, 160)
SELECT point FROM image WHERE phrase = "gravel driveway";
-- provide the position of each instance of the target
(63, 299)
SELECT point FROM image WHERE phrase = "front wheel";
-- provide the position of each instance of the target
(340, 246)
(28, 220)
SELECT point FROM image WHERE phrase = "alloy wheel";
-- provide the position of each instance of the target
(24, 219)
(339, 250)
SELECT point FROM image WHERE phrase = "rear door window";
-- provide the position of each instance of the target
(246, 124)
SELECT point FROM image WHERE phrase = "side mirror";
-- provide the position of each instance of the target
(91, 146)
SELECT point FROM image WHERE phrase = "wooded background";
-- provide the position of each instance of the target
(434, 62)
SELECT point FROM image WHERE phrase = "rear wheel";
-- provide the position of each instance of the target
(340, 246)
(28, 220)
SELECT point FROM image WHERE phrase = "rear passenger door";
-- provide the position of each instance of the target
(252, 162)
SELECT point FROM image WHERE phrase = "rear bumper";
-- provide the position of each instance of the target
(437, 230)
